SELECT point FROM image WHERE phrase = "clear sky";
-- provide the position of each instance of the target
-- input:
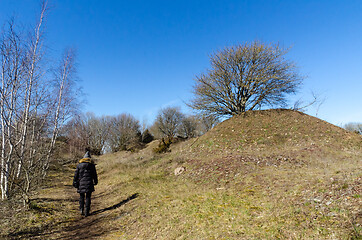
(138, 56)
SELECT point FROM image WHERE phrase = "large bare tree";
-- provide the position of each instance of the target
(245, 77)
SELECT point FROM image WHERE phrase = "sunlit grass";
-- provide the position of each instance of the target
(300, 188)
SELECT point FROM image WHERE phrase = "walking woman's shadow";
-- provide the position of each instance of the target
(133, 196)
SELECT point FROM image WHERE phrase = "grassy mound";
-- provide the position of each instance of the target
(275, 174)
(276, 130)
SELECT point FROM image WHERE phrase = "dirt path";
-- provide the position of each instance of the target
(93, 226)
(71, 224)
(67, 221)
(79, 227)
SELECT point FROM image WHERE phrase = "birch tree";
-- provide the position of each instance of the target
(33, 73)
(33, 107)
(65, 100)
(11, 71)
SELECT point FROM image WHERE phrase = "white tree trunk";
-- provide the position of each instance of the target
(35, 56)
(3, 180)
(66, 67)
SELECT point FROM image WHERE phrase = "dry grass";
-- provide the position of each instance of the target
(264, 202)
(238, 184)
(279, 131)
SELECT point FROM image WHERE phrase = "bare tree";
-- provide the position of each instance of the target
(33, 73)
(87, 131)
(100, 134)
(302, 106)
(63, 105)
(245, 77)
(11, 71)
(76, 131)
(206, 122)
(188, 127)
(20, 75)
(32, 107)
(124, 130)
(98, 129)
(52, 102)
(354, 127)
(168, 122)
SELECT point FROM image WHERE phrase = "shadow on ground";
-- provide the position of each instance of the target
(78, 228)
(40, 200)
(117, 205)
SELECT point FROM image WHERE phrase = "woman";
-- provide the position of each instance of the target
(85, 178)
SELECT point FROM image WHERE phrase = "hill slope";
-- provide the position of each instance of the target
(274, 174)
(276, 130)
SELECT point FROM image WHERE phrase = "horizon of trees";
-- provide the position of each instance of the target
(101, 134)
(354, 127)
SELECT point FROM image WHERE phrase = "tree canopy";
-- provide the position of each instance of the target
(245, 77)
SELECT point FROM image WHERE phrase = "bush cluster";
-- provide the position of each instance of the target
(163, 146)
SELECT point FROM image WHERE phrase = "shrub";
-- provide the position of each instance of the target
(146, 137)
(163, 146)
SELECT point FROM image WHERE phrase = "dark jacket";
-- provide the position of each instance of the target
(85, 176)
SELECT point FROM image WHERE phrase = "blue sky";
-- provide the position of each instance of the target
(138, 56)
